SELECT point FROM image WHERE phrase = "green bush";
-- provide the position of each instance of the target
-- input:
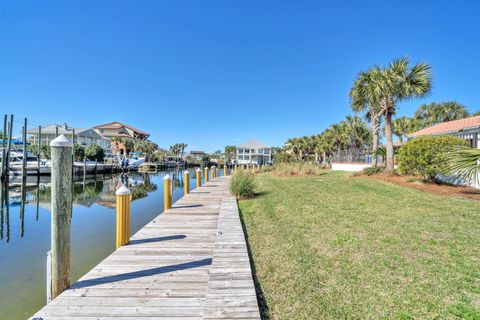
(94, 152)
(78, 152)
(242, 184)
(370, 171)
(426, 156)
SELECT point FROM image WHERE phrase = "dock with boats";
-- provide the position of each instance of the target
(190, 262)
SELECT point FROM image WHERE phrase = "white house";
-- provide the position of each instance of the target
(254, 152)
(83, 136)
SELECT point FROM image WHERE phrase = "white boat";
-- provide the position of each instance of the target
(16, 164)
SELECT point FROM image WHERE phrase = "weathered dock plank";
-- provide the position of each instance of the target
(191, 262)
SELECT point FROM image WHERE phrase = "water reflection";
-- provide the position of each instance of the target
(86, 192)
(98, 190)
(25, 229)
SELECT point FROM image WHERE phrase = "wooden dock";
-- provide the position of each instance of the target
(190, 262)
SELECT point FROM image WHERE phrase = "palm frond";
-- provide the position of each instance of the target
(464, 164)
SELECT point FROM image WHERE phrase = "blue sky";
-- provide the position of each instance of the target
(214, 73)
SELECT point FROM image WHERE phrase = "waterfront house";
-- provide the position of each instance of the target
(254, 152)
(116, 130)
(468, 129)
(197, 155)
(83, 136)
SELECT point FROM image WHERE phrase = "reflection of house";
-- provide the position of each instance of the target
(115, 130)
(468, 129)
(254, 151)
(83, 137)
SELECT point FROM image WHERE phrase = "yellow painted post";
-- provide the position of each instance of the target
(235, 169)
(123, 215)
(213, 171)
(225, 173)
(186, 182)
(198, 174)
(167, 195)
(206, 174)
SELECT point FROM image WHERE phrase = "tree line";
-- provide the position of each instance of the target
(374, 97)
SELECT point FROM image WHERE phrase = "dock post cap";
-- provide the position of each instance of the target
(167, 177)
(123, 190)
(186, 172)
(198, 169)
(61, 141)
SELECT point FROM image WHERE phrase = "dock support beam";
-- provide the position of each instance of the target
(123, 195)
(61, 154)
(198, 174)
(186, 182)
(167, 194)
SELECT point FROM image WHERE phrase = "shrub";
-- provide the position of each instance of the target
(242, 184)
(370, 171)
(94, 152)
(78, 152)
(426, 156)
(298, 168)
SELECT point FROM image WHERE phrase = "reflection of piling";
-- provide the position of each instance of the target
(186, 182)
(123, 215)
(198, 174)
(167, 195)
(61, 155)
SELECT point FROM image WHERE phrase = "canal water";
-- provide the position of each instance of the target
(25, 230)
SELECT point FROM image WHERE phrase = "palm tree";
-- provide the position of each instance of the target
(359, 134)
(434, 113)
(230, 152)
(401, 127)
(175, 149)
(292, 145)
(364, 98)
(398, 82)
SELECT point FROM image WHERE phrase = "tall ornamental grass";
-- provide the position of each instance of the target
(298, 169)
(242, 184)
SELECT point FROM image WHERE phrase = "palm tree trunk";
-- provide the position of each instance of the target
(376, 134)
(389, 142)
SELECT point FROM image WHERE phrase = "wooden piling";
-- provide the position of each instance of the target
(225, 169)
(24, 140)
(206, 174)
(39, 148)
(167, 194)
(9, 148)
(198, 174)
(213, 172)
(61, 212)
(4, 139)
(186, 182)
(123, 196)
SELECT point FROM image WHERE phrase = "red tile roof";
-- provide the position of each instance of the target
(449, 127)
(117, 125)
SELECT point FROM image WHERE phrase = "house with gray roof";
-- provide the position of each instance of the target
(83, 136)
(254, 152)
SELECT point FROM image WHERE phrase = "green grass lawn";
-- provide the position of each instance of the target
(336, 247)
